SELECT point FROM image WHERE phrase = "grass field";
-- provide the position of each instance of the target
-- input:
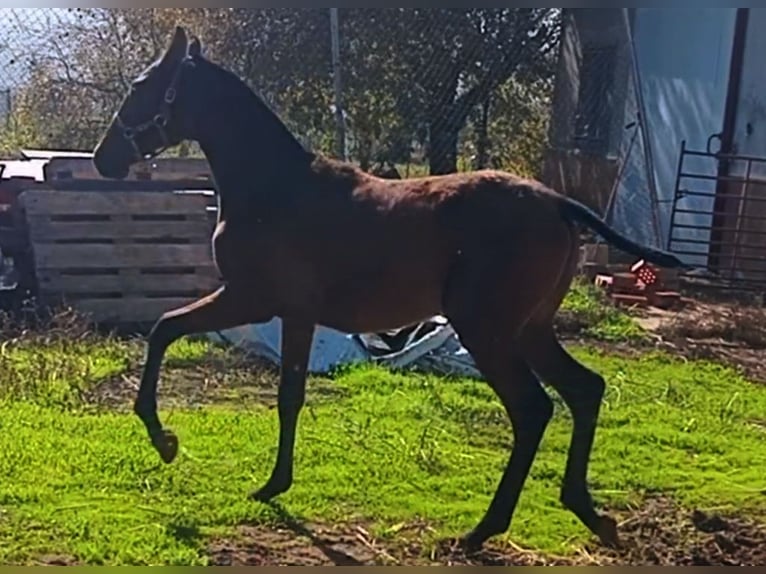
(78, 478)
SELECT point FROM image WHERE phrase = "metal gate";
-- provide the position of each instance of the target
(718, 215)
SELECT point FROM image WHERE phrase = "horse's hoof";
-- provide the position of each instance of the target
(472, 542)
(268, 492)
(607, 532)
(166, 444)
(261, 495)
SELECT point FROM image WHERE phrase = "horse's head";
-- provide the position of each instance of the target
(152, 116)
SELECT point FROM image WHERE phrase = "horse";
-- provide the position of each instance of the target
(317, 241)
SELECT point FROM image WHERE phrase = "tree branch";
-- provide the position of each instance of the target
(503, 68)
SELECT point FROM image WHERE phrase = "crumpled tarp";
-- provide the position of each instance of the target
(431, 346)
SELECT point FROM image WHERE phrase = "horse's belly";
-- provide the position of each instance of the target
(366, 308)
(355, 289)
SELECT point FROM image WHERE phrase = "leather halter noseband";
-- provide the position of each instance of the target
(159, 121)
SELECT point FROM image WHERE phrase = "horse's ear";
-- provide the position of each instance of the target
(195, 47)
(178, 47)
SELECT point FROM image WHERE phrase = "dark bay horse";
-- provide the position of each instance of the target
(318, 242)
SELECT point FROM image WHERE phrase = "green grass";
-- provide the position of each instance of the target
(587, 307)
(388, 449)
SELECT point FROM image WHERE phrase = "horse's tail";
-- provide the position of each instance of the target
(573, 210)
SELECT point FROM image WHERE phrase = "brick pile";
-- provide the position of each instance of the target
(634, 285)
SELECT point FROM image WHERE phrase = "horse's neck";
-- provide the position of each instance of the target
(252, 157)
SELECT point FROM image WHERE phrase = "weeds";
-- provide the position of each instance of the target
(586, 310)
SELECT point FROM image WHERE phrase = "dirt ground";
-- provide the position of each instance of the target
(657, 533)
(731, 334)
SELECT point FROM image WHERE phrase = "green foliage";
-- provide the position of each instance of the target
(516, 129)
(21, 130)
(586, 309)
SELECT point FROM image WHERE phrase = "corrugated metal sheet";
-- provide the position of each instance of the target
(50, 154)
(24, 168)
(683, 55)
(34, 162)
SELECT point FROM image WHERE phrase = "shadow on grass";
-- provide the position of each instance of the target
(187, 533)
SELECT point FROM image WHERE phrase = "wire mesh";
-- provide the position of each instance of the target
(420, 90)
(598, 137)
(443, 88)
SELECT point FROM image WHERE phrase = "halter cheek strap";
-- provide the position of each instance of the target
(160, 120)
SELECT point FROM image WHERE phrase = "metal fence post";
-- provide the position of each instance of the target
(340, 122)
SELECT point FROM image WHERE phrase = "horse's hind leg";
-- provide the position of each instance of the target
(529, 409)
(220, 310)
(582, 390)
(488, 312)
(296, 348)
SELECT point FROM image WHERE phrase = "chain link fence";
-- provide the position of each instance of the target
(428, 89)
(400, 91)
(24, 34)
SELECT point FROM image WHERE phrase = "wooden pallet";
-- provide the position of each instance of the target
(165, 169)
(120, 257)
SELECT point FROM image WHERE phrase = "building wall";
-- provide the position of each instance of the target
(583, 29)
(583, 167)
(744, 238)
(683, 57)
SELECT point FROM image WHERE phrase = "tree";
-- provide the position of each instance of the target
(444, 63)
(409, 75)
(78, 82)
(511, 133)
(412, 78)
(282, 53)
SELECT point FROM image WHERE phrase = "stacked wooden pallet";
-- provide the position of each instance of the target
(166, 174)
(120, 256)
(165, 169)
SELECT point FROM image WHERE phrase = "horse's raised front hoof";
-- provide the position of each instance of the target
(166, 444)
(607, 532)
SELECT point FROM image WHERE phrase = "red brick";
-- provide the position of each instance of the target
(629, 300)
(625, 283)
(665, 299)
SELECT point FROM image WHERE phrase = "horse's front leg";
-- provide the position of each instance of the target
(223, 309)
(297, 337)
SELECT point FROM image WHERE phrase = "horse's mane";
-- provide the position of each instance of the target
(248, 99)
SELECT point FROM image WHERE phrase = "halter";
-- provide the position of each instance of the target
(159, 121)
